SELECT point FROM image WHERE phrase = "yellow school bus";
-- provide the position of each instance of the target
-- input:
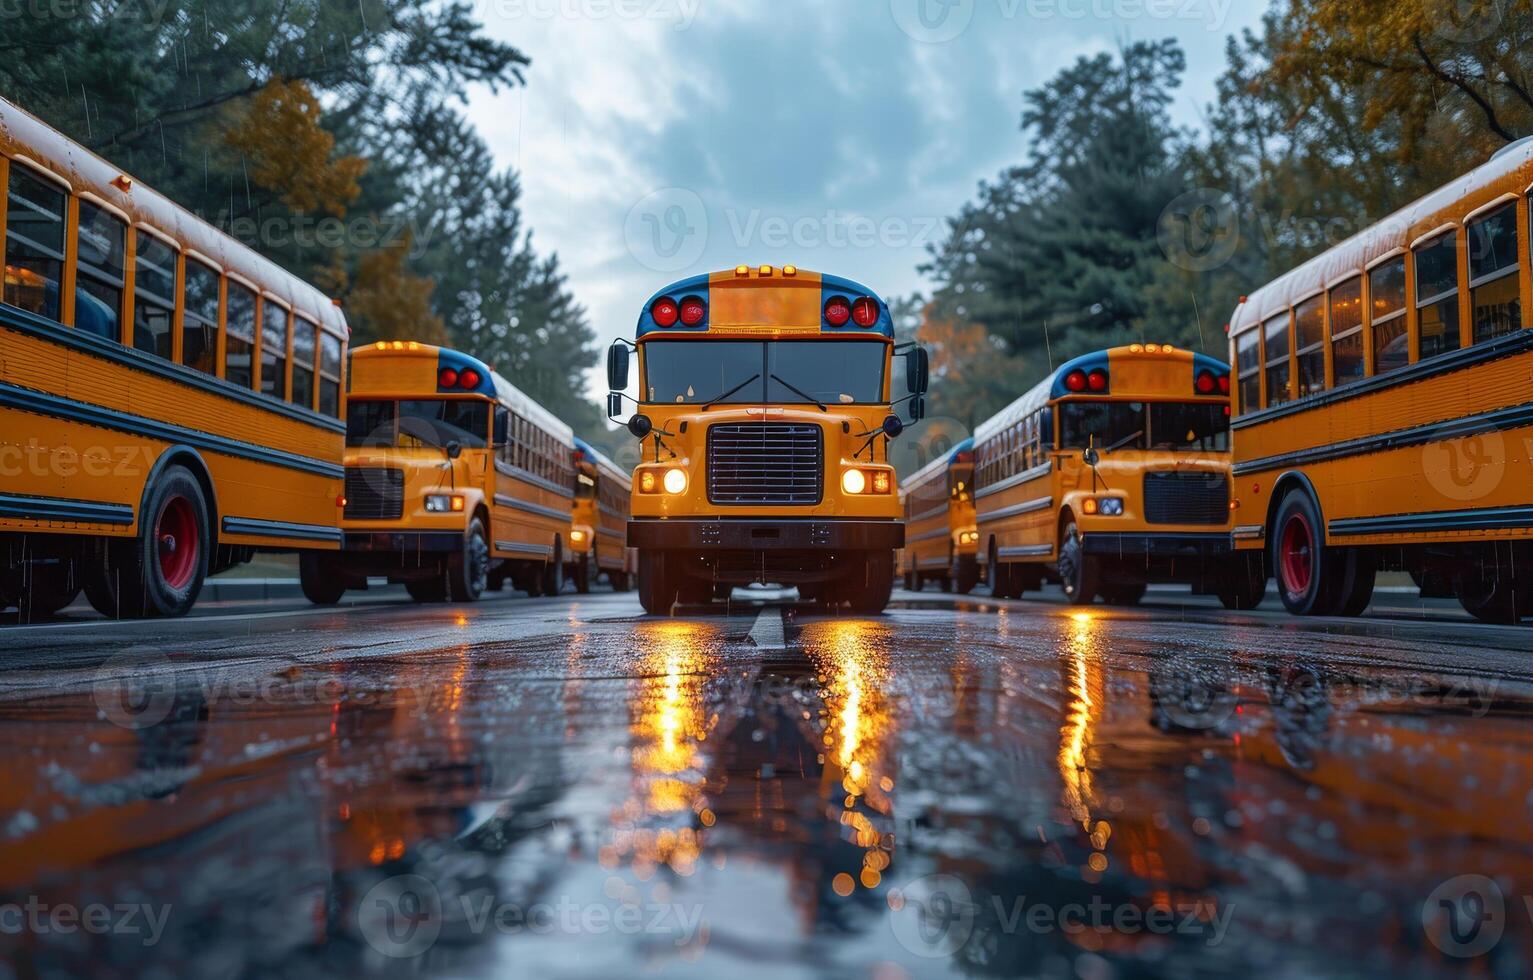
(941, 540)
(170, 401)
(599, 522)
(456, 482)
(1383, 419)
(1110, 475)
(765, 410)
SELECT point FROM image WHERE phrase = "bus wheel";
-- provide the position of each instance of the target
(320, 579)
(160, 571)
(658, 590)
(583, 575)
(1306, 572)
(1244, 584)
(46, 589)
(1130, 594)
(1078, 572)
(867, 589)
(1359, 573)
(468, 573)
(1489, 591)
(964, 574)
(432, 589)
(619, 581)
(553, 572)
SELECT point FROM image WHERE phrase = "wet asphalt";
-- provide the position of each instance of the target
(564, 787)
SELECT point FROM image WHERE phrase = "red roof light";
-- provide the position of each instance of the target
(1076, 381)
(469, 379)
(665, 312)
(865, 312)
(692, 311)
(837, 312)
(1097, 381)
(448, 378)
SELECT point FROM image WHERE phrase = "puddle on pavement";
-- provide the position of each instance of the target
(891, 796)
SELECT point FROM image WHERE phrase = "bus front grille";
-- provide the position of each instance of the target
(374, 494)
(1186, 498)
(765, 463)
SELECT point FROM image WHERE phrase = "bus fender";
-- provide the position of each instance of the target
(1281, 487)
(191, 459)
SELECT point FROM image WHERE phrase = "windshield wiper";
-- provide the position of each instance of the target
(714, 401)
(806, 396)
(1124, 441)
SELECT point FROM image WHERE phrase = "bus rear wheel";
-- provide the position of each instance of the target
(1490, 590)
(1244, 584)
(1078, 571)
(45, 590)
(425, 590)
(319, 579)
(1124, 594)
(160, 570)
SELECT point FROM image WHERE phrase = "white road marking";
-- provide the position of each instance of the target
(767, 633)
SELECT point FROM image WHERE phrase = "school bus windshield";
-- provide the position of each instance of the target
(785, 372)
(421, 424)
(1110, 426)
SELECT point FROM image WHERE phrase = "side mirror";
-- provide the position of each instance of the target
(614, 405)
(617, 366)
(640, 426)
(917, 408)
(502, 427)
(917, 370)
(1091, 456)
(893, 426)
(454, 449)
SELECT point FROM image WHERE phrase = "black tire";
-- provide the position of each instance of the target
(320, 579)
(553, 572)
(583, 574)
(868, 588)
(424, 590)
(1243, 585)
(1308, 573)
(621, 581)
(1359, 573)
(658, 591)
(1126, 594)
(945, 583)
(46, 588)
(910, 581)
(160, 571)
(468, 572)
(1490, 591)
(1079, 573)
(964, 574)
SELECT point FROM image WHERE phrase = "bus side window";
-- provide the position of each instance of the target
(1309, 323)
(34, 243)
(154, 290)
(1494, 290)
(274, 332)
(1248, 357)
(1437, 295)
(1347, 331)
(304, 349)
(101, 272)
(239, 336)
(1386, 289)
(1275, 355)
(330, 375)
(199, 330)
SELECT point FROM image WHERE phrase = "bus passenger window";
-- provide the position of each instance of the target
(154, 290)
(330, 376)
(304, 333)
(1347, 331)
(239, 336)
(1248, 355)
(273, 349)
(1275, 351)
(34, 243)
(1309, 321)
(1494, 292)
(1391, 346)
(101, 272)
(199, 331)
(1437, 295)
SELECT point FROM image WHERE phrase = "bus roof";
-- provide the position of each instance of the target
(764, 301)
(1503, 178)
(937, 467)
(1053, 386)
(24, 135)
(601, 461)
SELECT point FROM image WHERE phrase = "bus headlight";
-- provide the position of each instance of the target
(577, 536)
(855, 482)
(1103, 506)
(442, 503)
(968, 537)
(675, 481)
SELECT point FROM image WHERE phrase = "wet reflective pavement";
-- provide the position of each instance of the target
(565, 788)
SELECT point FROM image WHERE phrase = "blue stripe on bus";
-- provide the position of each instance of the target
(251, 527)
(63, 509)
(1483, 519)
(21, 321)
(108, 418)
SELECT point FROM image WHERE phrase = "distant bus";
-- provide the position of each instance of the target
(1384, 421)
(941, 540)
(170, 401)
(456, 482)
(599, 528)
(1113, 474)
(765, 410)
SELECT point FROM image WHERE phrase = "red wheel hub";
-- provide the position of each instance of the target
(1295, 556)
(180, 542)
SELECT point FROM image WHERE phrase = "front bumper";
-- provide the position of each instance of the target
(1148, 546)
(766, 534)
(403, 542)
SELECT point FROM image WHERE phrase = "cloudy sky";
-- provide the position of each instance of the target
(662, 138)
